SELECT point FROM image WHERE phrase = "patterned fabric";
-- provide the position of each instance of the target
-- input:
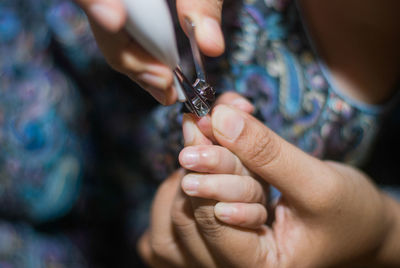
(272, 62)
(80, 155)
(21, 247)
(41, 158)
(274, 65)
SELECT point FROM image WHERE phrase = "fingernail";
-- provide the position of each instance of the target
(153, 80)
(190, 184)
(243, 104)
(227, 122)
(106, 16)
(188, 130)
(190, 157)
(212, 29)
(224, 211)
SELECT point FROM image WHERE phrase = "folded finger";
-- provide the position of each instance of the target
(211, 159)
(245, 215)
(163, 244)
(109, 14)
(126, 56)
(236, 100)
(187, 233)
(222, 187)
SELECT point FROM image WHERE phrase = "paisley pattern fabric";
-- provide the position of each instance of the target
(81, 156)
(272, 62)
(274, 65)
(40, 109)
(21, 247)
(41, 158)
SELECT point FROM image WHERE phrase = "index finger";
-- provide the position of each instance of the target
(109, 14)
(206, 15)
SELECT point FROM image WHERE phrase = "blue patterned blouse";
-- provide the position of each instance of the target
(82, 150)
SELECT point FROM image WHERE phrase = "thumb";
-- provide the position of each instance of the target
(296, 174)
(206, 15)
(109, 14)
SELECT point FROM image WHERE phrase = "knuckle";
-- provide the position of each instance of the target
(262, 215)
(209, 187)
(248, 189)
(238, 167)
(254, 191)
(161, 249)
(266, 149)
(207, 222)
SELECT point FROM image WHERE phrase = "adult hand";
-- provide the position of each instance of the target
(107, 18)
(164, 243)
(329, 214)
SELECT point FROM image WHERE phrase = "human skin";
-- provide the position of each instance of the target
(107, 19)
(329, 215)
(357, 40)
(361, 77)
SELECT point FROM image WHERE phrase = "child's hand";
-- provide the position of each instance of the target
(107, 19)
(222, 177)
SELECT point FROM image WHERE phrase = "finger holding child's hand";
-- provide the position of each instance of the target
(243, 198)
(243, 204)
(203, 134)
(211, 159)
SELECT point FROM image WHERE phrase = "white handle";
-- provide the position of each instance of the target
(150, 24)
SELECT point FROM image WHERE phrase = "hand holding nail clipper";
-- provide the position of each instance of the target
(141, 58)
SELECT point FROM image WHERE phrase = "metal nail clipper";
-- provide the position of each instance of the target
(199, 95)
(150, 23)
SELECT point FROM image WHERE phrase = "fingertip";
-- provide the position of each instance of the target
(191, 133)
(224, 212)
(189, 157)
(111, 16)
(236, 100)
(227, 123)
(188, 129)
(190, 184)
(243, 105)
(210, 37)
(204, 125)
(206, 16)
(251, 216)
